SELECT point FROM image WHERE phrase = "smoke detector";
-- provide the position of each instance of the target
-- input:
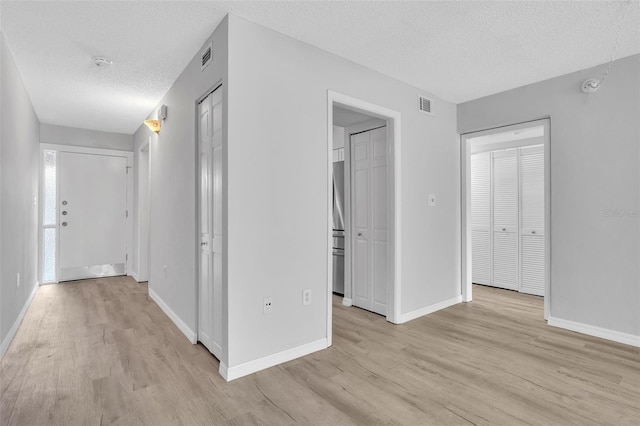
(102, 62)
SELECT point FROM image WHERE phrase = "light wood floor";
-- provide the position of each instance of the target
(101, 352)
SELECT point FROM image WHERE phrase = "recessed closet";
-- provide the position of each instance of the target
(508, 216)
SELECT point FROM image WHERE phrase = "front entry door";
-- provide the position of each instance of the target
(210, 219)
(92, 215)
(369, 194)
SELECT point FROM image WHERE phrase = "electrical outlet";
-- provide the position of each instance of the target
(306, 296)
(18, 279)
(432, 200)
(267, 305)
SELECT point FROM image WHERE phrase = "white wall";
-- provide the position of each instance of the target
(277, 188)
(338, 137)
(172, 161)
(62, 135)
(19, 162)
(595, 168)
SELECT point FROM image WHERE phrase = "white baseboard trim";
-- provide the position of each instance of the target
(14, 328)
(347, 302)
(429, 309)
(134, 275)
(235, 372)
(592, 330)
(184, 328)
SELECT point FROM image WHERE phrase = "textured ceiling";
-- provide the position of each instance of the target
(456, 50)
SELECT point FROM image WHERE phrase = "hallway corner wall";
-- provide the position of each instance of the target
(19, 174)
(173, 262)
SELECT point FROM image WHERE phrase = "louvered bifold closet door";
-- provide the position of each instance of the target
(481, 218)
(532, 230)
(505, 219)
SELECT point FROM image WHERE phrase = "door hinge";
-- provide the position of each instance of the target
(126, 256)
(126, 213)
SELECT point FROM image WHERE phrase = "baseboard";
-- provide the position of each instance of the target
(235, 372)
(184, 328)
(592, 330)
(14, 328)
(347, 302)
(429, 309)
(134, 275)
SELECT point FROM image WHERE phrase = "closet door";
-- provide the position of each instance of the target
(210, 224)
(481, 218)
(505, 219)
(369, 195)
(532, 230)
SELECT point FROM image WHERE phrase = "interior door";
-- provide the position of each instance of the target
(369, 195)
(210, 223)
(505, 219)
(481, 218)
(92, 215)
(532, 232)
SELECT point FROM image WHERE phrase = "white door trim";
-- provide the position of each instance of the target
(96, 151)
(465, 149)
(395, 207)
(141, 270)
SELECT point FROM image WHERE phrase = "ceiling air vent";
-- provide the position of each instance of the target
(425, 104)
(206, 56)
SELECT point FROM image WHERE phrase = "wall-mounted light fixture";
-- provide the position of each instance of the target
(154, 125)
(590, 85)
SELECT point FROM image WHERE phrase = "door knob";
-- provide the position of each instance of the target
(64, 223)
(504, 229)
(64, 213)
(359, 234)
(64, 203)
(204, 243)
(533, 232)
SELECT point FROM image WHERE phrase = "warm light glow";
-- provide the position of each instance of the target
(154, 125)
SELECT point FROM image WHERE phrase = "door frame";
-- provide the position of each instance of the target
(143, 173)
(393, 119)
(465, 169)
(129, 220)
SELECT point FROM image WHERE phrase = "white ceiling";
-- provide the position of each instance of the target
(456, 50)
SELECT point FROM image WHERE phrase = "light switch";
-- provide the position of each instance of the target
(432, 200)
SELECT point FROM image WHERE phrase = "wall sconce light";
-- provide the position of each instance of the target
(154, 125)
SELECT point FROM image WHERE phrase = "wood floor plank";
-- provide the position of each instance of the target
(100, 352)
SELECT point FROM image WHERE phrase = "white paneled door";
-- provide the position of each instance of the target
(481, 218)
(210, 223)
(532, 264)
(505, 219)
(369, 194)
(507, 197)
(92, 215)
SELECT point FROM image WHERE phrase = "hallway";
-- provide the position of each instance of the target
(101, 352)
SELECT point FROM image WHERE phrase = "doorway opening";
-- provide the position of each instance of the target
(506, 209)
(364, 226)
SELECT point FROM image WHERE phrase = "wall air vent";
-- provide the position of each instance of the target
(207, 55)
(425, 104)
